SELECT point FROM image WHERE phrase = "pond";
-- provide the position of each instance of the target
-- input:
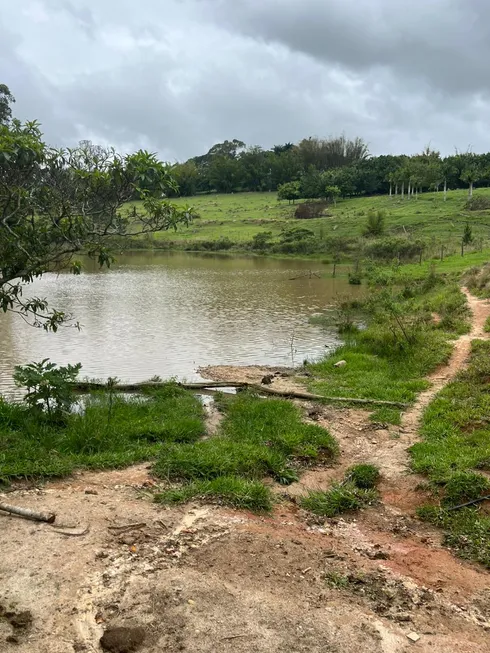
(166, 314)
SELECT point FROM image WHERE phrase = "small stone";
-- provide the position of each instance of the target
(12, 639)
(122, 639)
(88, 491)
(340, 363)
(413, 637)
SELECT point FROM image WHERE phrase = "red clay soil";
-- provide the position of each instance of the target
(209, 579)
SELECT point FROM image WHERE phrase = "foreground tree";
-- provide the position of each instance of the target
(57, 203)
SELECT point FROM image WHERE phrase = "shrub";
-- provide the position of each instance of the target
(479, 203)
(387, 249)
(48, 386)
(310, 210)
(375, 224)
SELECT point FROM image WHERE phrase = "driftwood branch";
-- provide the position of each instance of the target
(48, 517)
(216, 385)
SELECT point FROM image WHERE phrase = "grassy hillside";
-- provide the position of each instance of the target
(239, 217)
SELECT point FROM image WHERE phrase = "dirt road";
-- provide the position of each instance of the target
(208, 579)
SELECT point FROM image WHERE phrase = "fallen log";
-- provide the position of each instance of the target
(26, 513)
(216, 385)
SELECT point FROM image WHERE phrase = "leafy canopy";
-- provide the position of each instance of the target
(55, 203)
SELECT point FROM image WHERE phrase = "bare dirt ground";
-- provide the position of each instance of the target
(209, 579)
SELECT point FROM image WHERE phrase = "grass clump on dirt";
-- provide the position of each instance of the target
(409, 328)
(456, 444)
(257, 438)
(363, 476)
(467, 531)
(477, 280)
(385, 415)
(456, 424)
(106, 432)
(229, 490)
(486, 327)
(356, 491)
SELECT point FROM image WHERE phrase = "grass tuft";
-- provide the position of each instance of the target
(339, 499)
(363, 476)
(467, 531)
(385, 415)
(228, 490)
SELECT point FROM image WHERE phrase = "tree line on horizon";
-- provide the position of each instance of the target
(327, 168)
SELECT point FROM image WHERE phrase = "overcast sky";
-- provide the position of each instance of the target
(177, 76)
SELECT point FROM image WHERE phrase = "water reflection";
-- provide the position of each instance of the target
(167, 314)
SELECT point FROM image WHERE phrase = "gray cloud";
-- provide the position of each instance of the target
(178, 76)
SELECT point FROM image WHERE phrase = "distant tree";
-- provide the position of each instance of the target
(343, 178)
(280, 149)
(312, 183)
(324, 154)
(223, 174)
(187, 177)
(289, 191)
(471, 174)
(254, 169)
(332, 193)
(6, 99)
(284, 167)
(447, 171)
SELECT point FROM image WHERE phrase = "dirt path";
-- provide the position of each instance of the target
(202, 578)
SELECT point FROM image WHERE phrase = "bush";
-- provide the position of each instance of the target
(388, 249)
(48, 386)
(375, 224)
(310, 210)
(479, 203)
(210, 245)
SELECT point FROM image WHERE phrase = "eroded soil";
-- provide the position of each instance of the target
(209, 579)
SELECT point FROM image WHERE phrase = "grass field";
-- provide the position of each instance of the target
(240, 216)
(455, 455)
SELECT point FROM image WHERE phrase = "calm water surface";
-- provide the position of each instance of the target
(167, 314)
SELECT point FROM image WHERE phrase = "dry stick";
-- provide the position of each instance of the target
(213, 385)
(470, 503)
(48, 517)
(127, 527)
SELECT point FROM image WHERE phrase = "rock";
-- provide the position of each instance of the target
(91, 492)
(340, 364)
(12, 639)
(413, 637)
(267, 380)
(122, 639)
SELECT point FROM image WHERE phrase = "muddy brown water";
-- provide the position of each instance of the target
(168, 314)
